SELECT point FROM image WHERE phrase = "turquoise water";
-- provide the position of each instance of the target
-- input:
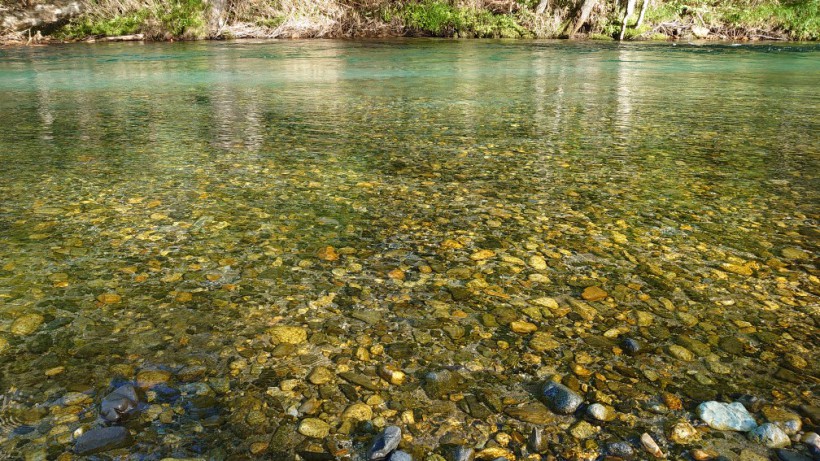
(167, 207)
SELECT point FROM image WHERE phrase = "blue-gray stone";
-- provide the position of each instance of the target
(788, 455)
(621, 450)
(726, 416)
(400, 456)
(769, 435)
(560, 399)
(462, 454)
(385, 443)
(102, 439)
(119, 403)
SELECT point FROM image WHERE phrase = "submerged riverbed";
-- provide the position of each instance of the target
(288, 246)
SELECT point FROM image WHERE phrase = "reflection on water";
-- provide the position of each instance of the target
(420, 204)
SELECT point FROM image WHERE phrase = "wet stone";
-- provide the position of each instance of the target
(789, 455)
(288, 334)
(460, 453)
(621, 450)
(102, 439)
(314, 428)
(601, 412)
(786, 420)
(440, 383)
(770, 435)
(726, 417)
(400, 456)
(119, 403)
(387, 441)
(560, 399)
(26, 324)
(631, 346)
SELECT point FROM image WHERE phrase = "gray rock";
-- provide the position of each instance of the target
(536, 442)
(600, 412)
(462, 454)
(400, 456)
(385, 443)
(770, 435)
(560, 399)
(630, 346)
(119, 403)
(726, 416)
(812, 440)
(621, 450)
(102, 439)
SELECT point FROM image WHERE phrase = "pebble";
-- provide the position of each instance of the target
(387, 441)
(538, 263)
(102, 439)
(620, 450)
(320, 375)
(26, 324)
(560, 399)
(650, 446)
(314, 427)
(461, 453)
(542, 341)
(703, 455)
(630, 346)
(288, 334)
(583, 430)
(4, 344)
(749, 455)
(116, 405)
(794, 253)
(392, 374)
(770, 435)
(726, 416)
(523, 327)
(149, 378)
(400, 456)
(683, 433)
(788, 421)
(601, 412)
(788, 455)
(681, 353)
(358, 412)
(594, 293)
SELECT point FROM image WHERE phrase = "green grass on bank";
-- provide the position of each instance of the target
(442, 19)
(183, 19)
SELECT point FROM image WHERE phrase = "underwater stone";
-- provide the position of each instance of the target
(726, 416)
(119, 403)
(385, 443)
(560, 398)
(102, 439)
(770, 435)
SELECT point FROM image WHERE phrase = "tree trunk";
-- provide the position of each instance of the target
(630, 8)
(643, 12)
(542, 7)
(586, 9)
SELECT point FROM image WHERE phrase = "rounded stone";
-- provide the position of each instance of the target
(560, 399)
(27, 324)
(320, 375)
(288, 334)
(314, 427)
(630, 346)
(600, 412)
(150, 378)
(770, 435)
(726, 416)
(358, 412)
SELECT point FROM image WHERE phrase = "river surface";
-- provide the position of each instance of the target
(288, 246)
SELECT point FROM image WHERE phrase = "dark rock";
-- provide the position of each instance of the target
(788, 455)
(439, 383)
(312, 451)
(560, 399)
(631, 346)
(812, 412)
(102, 439)
(359, 380)
(385, 443)
(119, 404)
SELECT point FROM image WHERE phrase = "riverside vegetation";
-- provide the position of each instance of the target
(599, 19)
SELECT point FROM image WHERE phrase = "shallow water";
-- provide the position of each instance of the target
(165, 206)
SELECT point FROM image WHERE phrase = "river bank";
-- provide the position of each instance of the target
(65, 21)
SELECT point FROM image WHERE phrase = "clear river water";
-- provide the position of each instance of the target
(288, 246)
